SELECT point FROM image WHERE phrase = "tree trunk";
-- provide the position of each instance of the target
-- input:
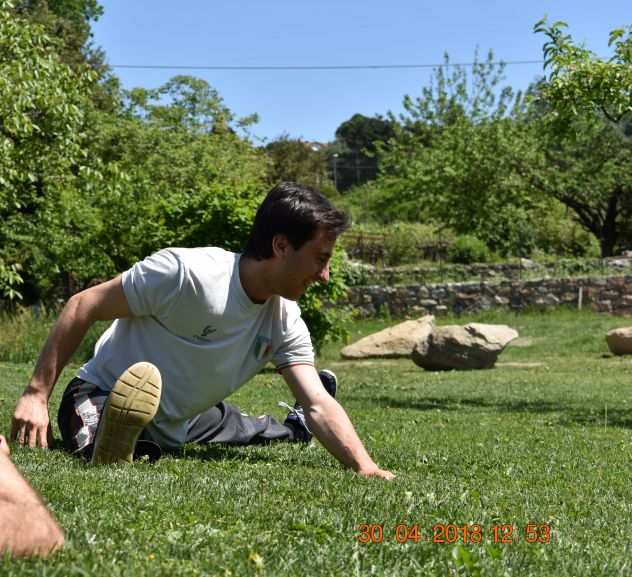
(607, 246)
(609, 233)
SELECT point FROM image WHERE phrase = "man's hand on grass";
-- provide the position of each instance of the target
(31, 424)
(379, 473)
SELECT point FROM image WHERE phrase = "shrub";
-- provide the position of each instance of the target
(327, 324)
(557, 233)
(397, 244)
(358, 202)
(467, 250)
(407, 243)
(10, 279)
(23, 334)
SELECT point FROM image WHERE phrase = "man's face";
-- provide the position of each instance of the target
(307, 265)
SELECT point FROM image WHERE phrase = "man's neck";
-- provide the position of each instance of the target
(254, 276)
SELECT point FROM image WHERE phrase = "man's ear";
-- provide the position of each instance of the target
(280, 245)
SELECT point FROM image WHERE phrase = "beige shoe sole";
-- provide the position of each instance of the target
(131, 406)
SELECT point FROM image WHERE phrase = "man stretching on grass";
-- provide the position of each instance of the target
(190, 327)
(26, 525)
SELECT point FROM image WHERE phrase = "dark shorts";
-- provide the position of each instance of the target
(82, 404)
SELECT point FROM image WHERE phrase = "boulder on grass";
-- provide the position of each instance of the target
(473, 346)
(395, 342)
(620, 341)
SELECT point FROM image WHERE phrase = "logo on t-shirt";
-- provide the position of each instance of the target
(263, 347)
(206, 331)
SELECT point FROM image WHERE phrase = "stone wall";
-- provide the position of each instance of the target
(522, 270)
(611, 294)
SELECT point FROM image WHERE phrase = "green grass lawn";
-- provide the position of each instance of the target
(543, 438)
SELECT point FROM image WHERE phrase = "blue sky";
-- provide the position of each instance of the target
(311, 104)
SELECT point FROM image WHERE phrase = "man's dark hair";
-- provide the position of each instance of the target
(297, 212)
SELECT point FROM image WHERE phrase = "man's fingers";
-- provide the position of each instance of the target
(31, 436)
(14, 430)
(20, 431)
(49, 436)
(29, 426)
(42, 437)
(42, 440)
(386, 475)
(380, 473)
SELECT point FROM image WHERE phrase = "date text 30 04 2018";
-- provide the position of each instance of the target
(446, 533)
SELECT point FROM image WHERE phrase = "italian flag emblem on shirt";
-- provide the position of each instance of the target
(263, 346)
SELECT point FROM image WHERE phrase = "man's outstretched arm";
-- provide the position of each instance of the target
(106, 301)
(26, 525)
(329, 422)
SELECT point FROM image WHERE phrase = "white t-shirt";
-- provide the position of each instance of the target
(193, 320)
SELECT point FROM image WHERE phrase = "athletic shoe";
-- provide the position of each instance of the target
(329, 381)
(131, 406)
(296, 415)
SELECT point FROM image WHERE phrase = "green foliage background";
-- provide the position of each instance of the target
(475, 157)
(87, 190)
(94, 178)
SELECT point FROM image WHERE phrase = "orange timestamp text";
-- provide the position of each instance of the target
(446, 533)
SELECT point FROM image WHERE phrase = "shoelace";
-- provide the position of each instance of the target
(297, 412)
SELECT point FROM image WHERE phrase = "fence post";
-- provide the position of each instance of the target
(580, 297)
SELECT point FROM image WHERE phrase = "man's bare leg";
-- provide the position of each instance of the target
(26, 525)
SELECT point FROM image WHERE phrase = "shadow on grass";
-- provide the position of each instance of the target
(568, 414)
(237, 453)
(210, 452)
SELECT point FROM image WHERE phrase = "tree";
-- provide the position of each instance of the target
(362, 133)
(455, 156)
(69, 22)
(583, 116)
(297, 161)
(178, 172)
(587, 167)
(185, 102)
(580, 82)
(357, 140)
(468, 181)
(457, 95)
(42, 140)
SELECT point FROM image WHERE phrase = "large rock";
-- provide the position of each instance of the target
(473, 346)
(620, 341)
(392, 343)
